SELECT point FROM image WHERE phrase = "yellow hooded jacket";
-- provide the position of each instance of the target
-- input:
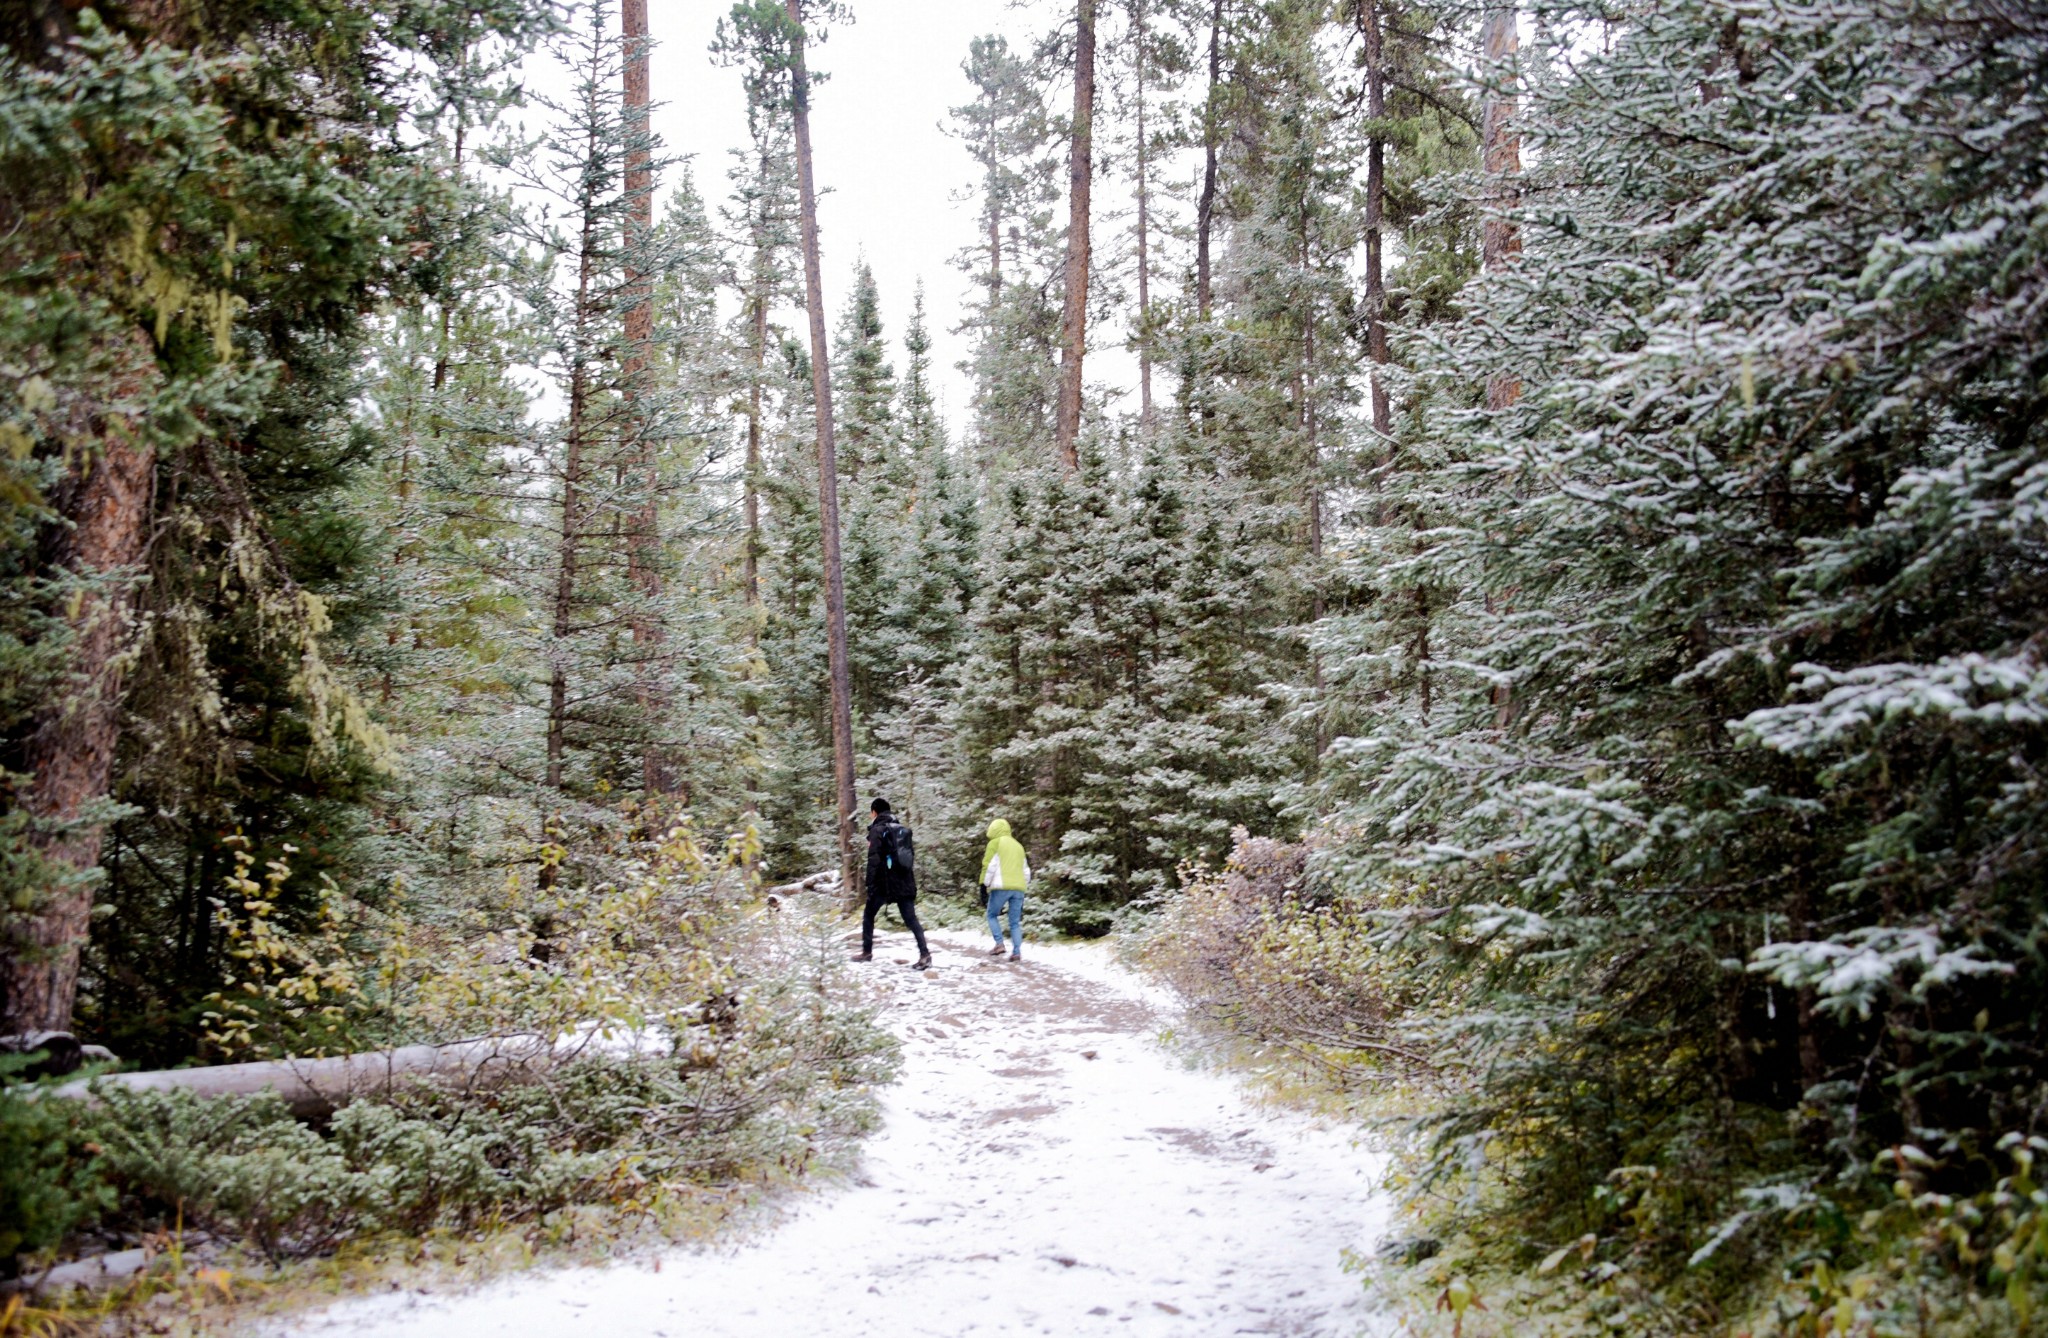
(1003, 866)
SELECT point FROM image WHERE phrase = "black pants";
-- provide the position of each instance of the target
(905, 907)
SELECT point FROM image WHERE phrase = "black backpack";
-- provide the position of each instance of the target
(897, 851)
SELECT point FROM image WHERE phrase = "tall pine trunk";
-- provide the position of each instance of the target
(570, 535)
(1080, 175)
(750, 501)
(643, 569)
(105, 502)
(757, 353)
(1375, 214)
(995, 223)
(1500, 146)
(1205, 206)
(1144, 227)
(1305, 423)
(447, 312)
(1312, 447)
(850, 869)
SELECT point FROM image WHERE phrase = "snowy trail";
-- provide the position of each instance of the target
(1045, 1167)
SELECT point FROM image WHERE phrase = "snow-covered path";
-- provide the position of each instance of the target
(1046, 1167)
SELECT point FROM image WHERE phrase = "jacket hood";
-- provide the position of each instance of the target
(998, 829)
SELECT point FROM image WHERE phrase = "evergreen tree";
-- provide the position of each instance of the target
(933, 574)
(1019, 628)
(1274, 380)
(707, 663)
(1153, 55)
(448, 408)
(763, 210)
(1015, 326)
(877, 500)
(914, 760)
(578, 272)
(866, 383)
(930, 584)
(797, 805)
(1112, 707)
(1714, 794)
(184, 231)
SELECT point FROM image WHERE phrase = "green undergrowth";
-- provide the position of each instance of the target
(1297, 987)
(714, 1050)
(191, 1287)
(1886, 1254)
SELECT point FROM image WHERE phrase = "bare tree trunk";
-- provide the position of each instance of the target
(1422, 642)
(760, 298)
(1305, 421)
(1500, 241)
(850, 869)
(571, 532)
(643, 531)
(1315, 509)
(436, 425)
(1080, 176)
(995, 223)
(1375, 215)
(408, 442)
(1501, 155)
(565, 595)
(995, 259)
(1205, 207)
(750, 552)
(441, 350)
(1811, 1068)
(1314, 447)
(106, 505)
(750, 556)
(1313, 464)
(1144, 229)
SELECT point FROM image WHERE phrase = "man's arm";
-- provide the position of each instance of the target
(874, 864)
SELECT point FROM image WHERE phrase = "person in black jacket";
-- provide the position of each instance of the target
(890, 880)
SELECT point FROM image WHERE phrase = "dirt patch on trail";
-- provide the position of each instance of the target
(1194, 1140)
(1208, 1143)
(1058, 997)
(1020, 1113)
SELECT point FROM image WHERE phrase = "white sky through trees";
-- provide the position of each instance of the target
(895, 188)
(891, 179)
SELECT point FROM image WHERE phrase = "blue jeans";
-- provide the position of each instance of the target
(998, 898)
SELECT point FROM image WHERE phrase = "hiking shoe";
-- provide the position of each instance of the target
(997, 951)
(1016, 956)
(923, 963)
(863, 957)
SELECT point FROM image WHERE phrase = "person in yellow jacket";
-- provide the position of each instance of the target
(1005, 873)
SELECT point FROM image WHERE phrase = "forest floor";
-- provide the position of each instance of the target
(1046, 1165)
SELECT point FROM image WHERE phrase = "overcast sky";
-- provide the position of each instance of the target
(890, 178)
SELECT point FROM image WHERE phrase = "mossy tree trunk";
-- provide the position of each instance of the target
(105, 504)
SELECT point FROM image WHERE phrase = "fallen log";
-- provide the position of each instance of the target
(817, 881)
(316, 1088)
(96, 1273)
(60, 1050)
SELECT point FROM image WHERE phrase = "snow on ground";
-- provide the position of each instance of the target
(1046, 1166)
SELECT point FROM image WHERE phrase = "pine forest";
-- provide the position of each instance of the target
(1490, 560)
